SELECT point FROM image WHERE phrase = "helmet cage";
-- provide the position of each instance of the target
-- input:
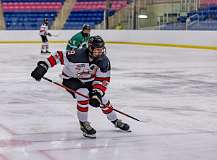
(96, 42)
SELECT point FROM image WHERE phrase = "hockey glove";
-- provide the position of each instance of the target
(40, 70)
(49, 34)
(95, 98)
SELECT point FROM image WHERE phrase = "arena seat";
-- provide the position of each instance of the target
(91, 11)
(29, 14)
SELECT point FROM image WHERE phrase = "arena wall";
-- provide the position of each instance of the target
(186, 39)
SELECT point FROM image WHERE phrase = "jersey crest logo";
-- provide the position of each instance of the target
(71, 52)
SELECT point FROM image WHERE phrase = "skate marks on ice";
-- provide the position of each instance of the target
(69, 139)
(108, 141)
(173, 81)
(182, 126)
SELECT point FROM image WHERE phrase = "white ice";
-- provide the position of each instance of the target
(174, 90)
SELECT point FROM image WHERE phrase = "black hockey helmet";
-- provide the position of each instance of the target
(46, 20)
(86, 27)
(96, 42)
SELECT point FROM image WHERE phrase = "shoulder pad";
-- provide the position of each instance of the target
(78, 35)
(104, 64)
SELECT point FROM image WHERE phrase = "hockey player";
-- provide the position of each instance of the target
(80, 39)
(87, 71)
(44, 33)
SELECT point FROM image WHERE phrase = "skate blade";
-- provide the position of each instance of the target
(124, 131)
(91, 136)
(127, 130)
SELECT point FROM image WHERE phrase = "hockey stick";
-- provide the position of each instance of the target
(71, 90)
(55, 35)
(52, 35)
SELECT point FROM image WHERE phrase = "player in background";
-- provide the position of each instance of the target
(80, 39)
(44, 33)
(87, 71)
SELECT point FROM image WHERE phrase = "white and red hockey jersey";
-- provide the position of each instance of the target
(78, 65)
(43, 30)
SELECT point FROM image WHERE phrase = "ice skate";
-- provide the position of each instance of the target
(123, 126)
(87, 130)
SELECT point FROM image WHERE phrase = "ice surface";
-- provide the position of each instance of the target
(173, 89)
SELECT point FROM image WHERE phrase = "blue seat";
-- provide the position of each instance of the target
(207, 18)
(77, 18)
(27, 20)
(62, 1)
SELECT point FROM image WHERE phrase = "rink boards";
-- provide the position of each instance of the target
(183, 39)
